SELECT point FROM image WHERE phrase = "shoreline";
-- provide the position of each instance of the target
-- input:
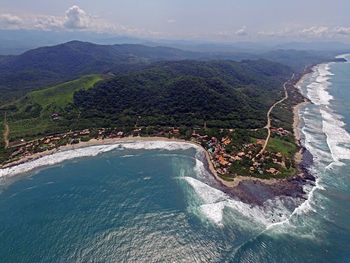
(236, 188)
(240, 186)
(91, 143)
(115, 141)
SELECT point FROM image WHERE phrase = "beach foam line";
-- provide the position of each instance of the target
(90, 151)
(329, 128)
(338, 139)
(317, 90)
(344, 56)
(213, 202)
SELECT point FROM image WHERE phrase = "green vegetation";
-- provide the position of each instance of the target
(48, 66)
(221, 105)
(222, 94)
(61, 95)
(31, 115)
(280, 145)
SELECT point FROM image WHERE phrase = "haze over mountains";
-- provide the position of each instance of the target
(52, 65)
(15, 42)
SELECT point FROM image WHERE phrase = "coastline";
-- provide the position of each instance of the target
(115, 141)
(298, 158)
(240, 186)
(91, 143)
(297, 120)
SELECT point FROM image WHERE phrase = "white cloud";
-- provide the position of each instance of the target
(48, 22)
(316, 31)
(343, 30)
(313, 32)
(8, 21)
(242, 31)
(76, 18)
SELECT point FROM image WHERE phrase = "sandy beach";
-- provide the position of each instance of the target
(95, 142)
(236, 187)
(229, 184)
(92, 142)
(296, 121)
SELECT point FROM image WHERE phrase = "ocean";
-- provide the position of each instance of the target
(156, 202)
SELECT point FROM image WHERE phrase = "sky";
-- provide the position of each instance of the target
(217, 20)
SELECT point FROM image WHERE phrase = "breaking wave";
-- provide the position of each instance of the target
(320, 124)
(213, 202)
(338, 139)
(64, 155)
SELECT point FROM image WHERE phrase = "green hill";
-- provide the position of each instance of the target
(46, 66)
(32, 114)
(223, 94)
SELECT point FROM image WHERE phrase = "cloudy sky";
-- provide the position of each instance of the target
(219, 20)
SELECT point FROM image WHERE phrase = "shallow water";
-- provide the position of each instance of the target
(155, 202)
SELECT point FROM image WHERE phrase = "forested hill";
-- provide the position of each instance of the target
(220, 93)
(46, 66)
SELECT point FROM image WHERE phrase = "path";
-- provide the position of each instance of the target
(268, 125)
(6, 132)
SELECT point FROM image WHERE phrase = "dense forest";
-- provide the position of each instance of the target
(222, 94)
(47, 66)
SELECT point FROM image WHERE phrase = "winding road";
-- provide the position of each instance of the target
(268, 125)
(6, 132)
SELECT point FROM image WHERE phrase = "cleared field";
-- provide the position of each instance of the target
(30, 116)
(286, 148)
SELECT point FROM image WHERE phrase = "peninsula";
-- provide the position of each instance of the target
(244, 114)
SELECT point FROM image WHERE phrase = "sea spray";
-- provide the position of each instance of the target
(61, 156)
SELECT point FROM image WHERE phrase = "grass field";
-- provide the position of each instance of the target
(278, 145)
(31, 115)
(61, 94)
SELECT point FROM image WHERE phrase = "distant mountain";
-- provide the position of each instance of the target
(15, 42)
(52, 65)
(298, 59)
(47, 66)
(316, 46)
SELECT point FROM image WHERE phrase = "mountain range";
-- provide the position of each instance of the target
(47, 66)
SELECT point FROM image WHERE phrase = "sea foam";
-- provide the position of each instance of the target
(338, 139)
(61, 156)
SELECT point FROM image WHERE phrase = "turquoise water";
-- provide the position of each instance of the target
(157, 203)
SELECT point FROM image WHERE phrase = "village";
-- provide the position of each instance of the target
(230, 154)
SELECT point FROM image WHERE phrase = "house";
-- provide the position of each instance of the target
(236, 158)
(241, 154)
(260, 142)
(226, 141)
(223, 161)
(272, 171)
(279, 155)
(85, 132)
(55, 116)
(175, 131)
